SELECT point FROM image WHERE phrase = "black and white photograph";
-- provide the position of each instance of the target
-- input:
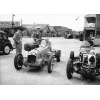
(49, 49)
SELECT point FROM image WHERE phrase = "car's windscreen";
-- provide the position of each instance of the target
(43, 43)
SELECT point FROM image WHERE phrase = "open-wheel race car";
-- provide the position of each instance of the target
(39, 55)
(87, 63)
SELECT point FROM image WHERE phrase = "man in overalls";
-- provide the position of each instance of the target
(18, 41)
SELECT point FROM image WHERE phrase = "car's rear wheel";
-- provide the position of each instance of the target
(72, 55)
(58, 54)
(6, 49)
(58, 59)
(69, 69)
(50, 64)
(18, 61)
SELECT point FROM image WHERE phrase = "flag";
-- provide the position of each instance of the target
(77, 18)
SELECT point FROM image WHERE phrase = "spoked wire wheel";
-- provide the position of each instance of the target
(6, 50)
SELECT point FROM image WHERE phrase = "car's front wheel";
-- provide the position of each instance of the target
(18, 61)
(69, 69)
(72, 55)
(50, 64)
(6, 49)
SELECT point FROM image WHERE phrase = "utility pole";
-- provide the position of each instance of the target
(21, 22)
(12, 23)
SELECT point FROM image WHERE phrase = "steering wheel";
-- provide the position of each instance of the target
(88, 38)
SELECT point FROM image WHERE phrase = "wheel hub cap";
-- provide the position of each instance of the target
(7, 49)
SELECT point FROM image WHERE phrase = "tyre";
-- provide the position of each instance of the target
(18, 61)
(98, 59)
(72, 55)
(69, 69)
(58, 59)
(58, 54)
(50, 64)
(6, 49)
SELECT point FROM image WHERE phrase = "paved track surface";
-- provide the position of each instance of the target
(26, 76)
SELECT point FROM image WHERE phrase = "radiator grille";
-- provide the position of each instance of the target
(31, 58)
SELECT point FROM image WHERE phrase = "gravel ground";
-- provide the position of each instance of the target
(26, 76)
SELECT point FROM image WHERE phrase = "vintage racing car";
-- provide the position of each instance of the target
(87, 63)
(39, 54)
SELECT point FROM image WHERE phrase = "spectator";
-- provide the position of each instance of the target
(18, 41)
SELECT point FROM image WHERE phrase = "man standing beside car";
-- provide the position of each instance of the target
(18, 41)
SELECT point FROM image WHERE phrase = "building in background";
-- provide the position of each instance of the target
(32, 29)
(46, 30)
(7, 26)
(92, 27)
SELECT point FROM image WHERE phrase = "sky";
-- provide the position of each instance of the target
(66, 20)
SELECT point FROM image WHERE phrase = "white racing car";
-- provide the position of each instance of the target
(87, 63)
(39, 54)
